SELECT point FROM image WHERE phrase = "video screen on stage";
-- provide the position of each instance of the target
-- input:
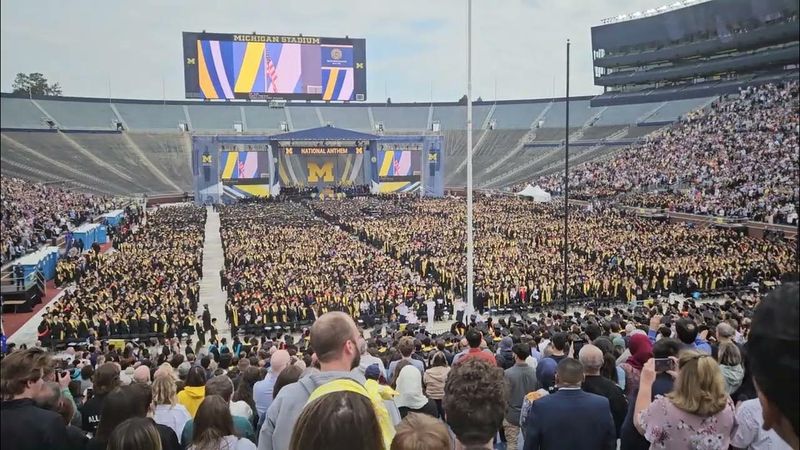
(399, 165)
(257, 66)
(244, 166)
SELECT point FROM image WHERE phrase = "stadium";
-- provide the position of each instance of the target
(278, 228)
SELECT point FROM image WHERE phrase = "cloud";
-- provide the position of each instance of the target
(518, 45)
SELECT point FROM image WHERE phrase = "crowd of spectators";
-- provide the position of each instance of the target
(518, 258)
(599, 378)
(148, 286)
(738, 158)
(32, 213)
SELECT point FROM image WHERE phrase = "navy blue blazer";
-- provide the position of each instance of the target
(570, 419)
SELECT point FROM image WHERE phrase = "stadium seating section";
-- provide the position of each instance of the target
(83, 148)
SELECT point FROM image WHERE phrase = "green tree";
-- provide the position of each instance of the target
(35, 84)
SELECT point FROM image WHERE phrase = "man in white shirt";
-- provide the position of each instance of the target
(262, 390)
(431, 306)
(543, 344)
(402, 311)
(367, 359)
(459, 306)
(750, 434)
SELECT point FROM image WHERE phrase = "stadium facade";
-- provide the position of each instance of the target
(693, 49)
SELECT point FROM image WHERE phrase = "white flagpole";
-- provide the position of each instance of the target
(470, 243)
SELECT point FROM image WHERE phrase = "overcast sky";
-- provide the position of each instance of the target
(414, 47)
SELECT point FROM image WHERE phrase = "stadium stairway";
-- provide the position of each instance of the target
(211, 293)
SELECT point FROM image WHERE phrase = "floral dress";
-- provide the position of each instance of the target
(669, 428)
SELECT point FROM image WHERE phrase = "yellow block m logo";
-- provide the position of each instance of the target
(315, 172)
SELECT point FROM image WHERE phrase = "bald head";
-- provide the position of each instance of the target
(47, 398)
(592, 359)
(569, 372)
(141, 375)
(279, 361)
(330, 333)
(725, 331)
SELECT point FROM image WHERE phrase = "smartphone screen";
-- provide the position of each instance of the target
(663, 364)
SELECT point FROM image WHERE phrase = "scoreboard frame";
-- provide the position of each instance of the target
(192, 75)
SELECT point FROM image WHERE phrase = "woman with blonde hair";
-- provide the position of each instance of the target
(168, 411)
(421, 432)
(697, 414)
(166, 369)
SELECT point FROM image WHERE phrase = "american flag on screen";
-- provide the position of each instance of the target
(269, 70)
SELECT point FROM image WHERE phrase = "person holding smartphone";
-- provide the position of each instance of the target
(663, 350)
(697, 410)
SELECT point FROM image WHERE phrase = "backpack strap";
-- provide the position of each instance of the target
(370, 392)
(342, 384)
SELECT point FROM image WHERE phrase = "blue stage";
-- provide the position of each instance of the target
(227, 168)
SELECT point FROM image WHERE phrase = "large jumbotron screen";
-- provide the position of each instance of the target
(258, 66)
(244, 165)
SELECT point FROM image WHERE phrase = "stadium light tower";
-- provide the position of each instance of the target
(470, 243)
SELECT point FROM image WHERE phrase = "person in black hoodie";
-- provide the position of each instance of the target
(104, 380)
(505, 357)
(23, 425)
(592, 359)
(122, 404)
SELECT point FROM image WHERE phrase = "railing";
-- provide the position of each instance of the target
(35, 278)
(41, 282)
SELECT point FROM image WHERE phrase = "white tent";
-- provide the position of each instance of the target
(538, 194)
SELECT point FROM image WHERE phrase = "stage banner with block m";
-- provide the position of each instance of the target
(320, 168)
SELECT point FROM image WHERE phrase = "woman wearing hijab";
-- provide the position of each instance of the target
(641, 350)
(410, 397)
